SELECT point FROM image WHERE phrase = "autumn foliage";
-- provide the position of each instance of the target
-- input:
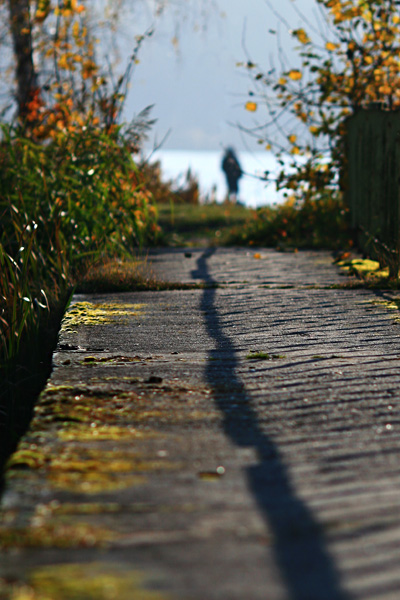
(70, 191)
(349, 61)
(72, 92)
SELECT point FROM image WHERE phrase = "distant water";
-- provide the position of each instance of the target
(206, 165)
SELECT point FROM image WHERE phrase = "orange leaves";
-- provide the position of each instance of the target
(35, 106)
(63, 117)
(331, 47)
(251, 106)
(385, 89)
(76, 30)
(359, 72)
(108, 107)
(69, 8)
(295, 75)
(295, 148)
(42, 10)
(89, 69)
(343, 10)
(64, 62)
(69, 99)
(354, 62)
(301, 35)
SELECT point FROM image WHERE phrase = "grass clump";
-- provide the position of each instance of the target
(121, 274)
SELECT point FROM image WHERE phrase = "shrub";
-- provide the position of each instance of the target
(63, 204)
(321, 223)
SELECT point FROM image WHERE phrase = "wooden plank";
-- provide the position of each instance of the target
(373, 152)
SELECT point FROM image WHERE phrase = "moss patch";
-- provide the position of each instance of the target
(390, 304)
(55, 535)
(264, 356)
(100, 433)
(115, 360)
(82, 414)
(90, 581)
(86, 443)
(80, 423)
(90, 314)
(92, 482)
(28, 456)
(84, 508)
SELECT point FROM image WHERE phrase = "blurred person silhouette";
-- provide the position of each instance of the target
(233, 172)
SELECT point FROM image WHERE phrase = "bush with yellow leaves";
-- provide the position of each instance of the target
(350, 63)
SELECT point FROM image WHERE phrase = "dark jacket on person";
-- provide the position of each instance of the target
(232, 169)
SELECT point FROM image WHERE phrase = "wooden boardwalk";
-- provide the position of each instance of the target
(239, 440)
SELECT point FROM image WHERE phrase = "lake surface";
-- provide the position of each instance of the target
(206, 165)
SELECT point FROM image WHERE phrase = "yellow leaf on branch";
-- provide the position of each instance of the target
(330, 46)
(63, 62)
(295, 74)
(301, 36)
(251, 106)
(385, 89)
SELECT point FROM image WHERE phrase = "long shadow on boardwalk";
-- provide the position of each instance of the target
(306, 568)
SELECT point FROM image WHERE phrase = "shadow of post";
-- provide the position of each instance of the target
(306, 567)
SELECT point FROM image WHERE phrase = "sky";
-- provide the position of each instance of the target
(189, 71)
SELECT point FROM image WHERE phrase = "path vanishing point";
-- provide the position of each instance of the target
(238, 440)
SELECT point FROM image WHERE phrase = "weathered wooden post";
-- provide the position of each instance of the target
(373, 183)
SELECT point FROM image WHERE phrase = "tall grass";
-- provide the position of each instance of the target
(20, 304)
(63, 204)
